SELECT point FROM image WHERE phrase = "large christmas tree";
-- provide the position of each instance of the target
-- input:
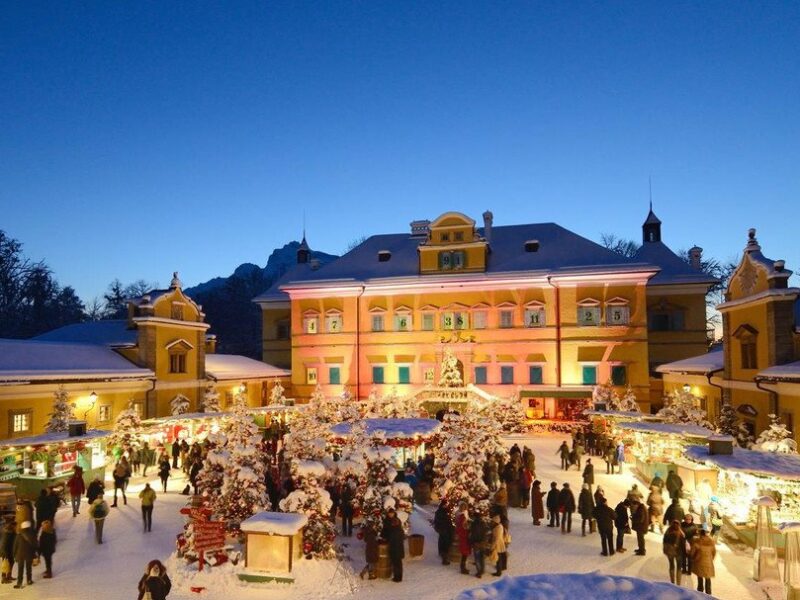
(776, 438)
(210, 478)
(211, 399)
(62, 412)
(126, 427)
(310, 499)
(308, 434)
(450, 373)
(683, 407)
(603, 393)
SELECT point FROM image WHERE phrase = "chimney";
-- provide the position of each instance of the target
(695, 257)
(488, 217)
(420, 228)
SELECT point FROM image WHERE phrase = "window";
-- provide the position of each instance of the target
(589, 375)
(479, 319)
(377, 322)
(445, 237)
(177, 311)
(447, 320)
(617, 315)
(665, 320)
(403, 374)
(311, 324)
(588, 316)
(333, 323)
(377, 374)
(20, 421)
(749, 353)
(334, 376)
(506, 374)
(619, 375)
(458, 236)
(104, 413)
(282, 330)
(506, 318)
(445, 260)
(428, 320)
(177, 362)
(429, 375)
(402, 322)
(461, 320)
(311, 375)
(459, 260)
(535, 374)
(534, 317)
(480, 375)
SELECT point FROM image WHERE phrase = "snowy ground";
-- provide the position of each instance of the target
(111, 571)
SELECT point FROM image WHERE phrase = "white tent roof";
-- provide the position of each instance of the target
(227, 367)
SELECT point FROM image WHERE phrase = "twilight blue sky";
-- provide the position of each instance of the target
(140, 138)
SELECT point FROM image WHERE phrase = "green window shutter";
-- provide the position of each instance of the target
(619, 375)
(535, 374)
(480, 375)
(507, 375)
(589, 375)
(403, 375)
(377, 374)
(334, 376)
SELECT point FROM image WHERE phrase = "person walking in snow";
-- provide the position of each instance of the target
(690, 531)
(154, 582)
(703, 552)
(674, 512)
(620, 455)
(563, 451)
(370, 552)
(674, 485)
(674, 545)
(95, 490)
(599, 493)
(346, 502)
(462, 533)
(98, 511)
(164, 471)
(498, 545)
(641, 523)
(25, 549)
(586, 508)
(119, 475)
(148, 498)
(658, 482)
(443, 525)
(714, 517)
(588, 473)
(76, 489)
(566, 506)
(47, 547)
(605, 515)
(552, 505)
(655, 507)
(610, 456)
(393, 534)
(621, 523)
(537, 507)
(45, 509)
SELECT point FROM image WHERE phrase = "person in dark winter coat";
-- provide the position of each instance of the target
(588, 473)
(674, 545)
(605, 516)
(443, 525)
(121, 475)
(674, 512)
(176, 452)
(703, 553)
(45, 511)
(674, 485)
(657, 482)
(95, 490)
(621, 523)
(370, 552)
(599, 493)
(194, 471)
(640, 524)
(9, 534)
(563, 451)
(610, 456)
(155, 581)
(525, 480)
(346, 502)
(98, 511)
(462, 533)
(552, 505)
(689, 532)
(25, 548)
(537, 507)
(566, 506)
(334, 490)
(163, 472)
(47, 547)
(655, 507)
(586, 508)
(393, 534)
(479, 533)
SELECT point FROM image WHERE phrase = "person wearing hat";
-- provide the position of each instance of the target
(25, 549)
(537, 507)
(99, 511)
(393, 533)
(566, 506)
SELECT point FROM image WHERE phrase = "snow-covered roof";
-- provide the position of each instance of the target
(61, 437)
(113, 333)
(755, 462)
(673, 268)
(615, 414)
(788, 372)
(393, 428)
(546, 586)
(274, 523)
(704, 364)
(28, 360)
(225, 367)
(673, 428)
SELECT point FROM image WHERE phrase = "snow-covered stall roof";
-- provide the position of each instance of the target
(703, 364)
(547, 586)
(197, 416)
(61, 437)
(226, 367)
(755, 462)
(789, 372)
(667, 428)
(615, 414)
(31, 360)
(274, 523)
(393, 428)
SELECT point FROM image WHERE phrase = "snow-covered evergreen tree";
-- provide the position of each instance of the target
(276, 394)
(743, 436)
(126, 427)
(243, 492)
(776, 438)
(62, 412)
(210, 478)
(728, 422)
(179, 405)
(450, 374)
(348, 408)
(683, 407)
(379, 491)
(628, 401)
(308, 432)
(373, 405)
(211, 399)
(311, 499)
(603, 393)
(509, 414)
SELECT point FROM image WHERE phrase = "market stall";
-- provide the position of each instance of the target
(407, 436)
(44, 461)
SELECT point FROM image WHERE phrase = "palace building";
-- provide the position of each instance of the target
(159, 352)
(534, 309)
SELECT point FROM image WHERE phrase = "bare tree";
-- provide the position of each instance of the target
(623, 247)
(355, 243)
(721, 270)
(95, 309)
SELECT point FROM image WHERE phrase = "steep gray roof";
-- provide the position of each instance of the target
(673, 268)
(106, 333)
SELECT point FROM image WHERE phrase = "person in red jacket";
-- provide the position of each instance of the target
(76, 489)
(462, 533)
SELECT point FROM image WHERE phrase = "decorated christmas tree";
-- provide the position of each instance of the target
(211, 476)
(211, 399)
(310, 499)
(744, 438)
(308, 434)
(373, 405)
(276, 394)
(776, 438)
(62, 412)
(450, 373)
(126, 427)
(603, 393)
(509, 414)
(378, 492)
(628, 401)
(179, 405)
(728, 422)
(683, 407)
(348, 408)
(243, 492)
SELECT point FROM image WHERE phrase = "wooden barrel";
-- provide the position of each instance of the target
(384, 567)
(455, 551)
(416, 544)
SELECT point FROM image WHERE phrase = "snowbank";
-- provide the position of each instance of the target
(577, 585)
(392, 428)
(756, 462)
(274, 523)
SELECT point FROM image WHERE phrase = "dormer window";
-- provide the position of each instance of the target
(459, 236)
(333, 321)
(384, 256)
(402, 319)
(445, 237)
(617, 312)
(534, 314)
(588, 313)
(177, 362)
(311, 323)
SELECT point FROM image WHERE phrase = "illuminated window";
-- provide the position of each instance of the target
(617, 315)
(461, 320)
(377, 374)
(377, 322)
(480, 375)
(428, 321)
(104, 413)
(311, 325)
(177, 362)
(311, 375)
(403, 374)
(479, 319)
(402, 322)
(506, 318)
(506, 374)
(20, 421)
(534, 317)
(588, 316)
(589, 375)
(334, 376)
(535, 374)
(333, 323)
(619, 375)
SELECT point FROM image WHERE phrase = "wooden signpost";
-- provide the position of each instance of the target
(208, 535)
